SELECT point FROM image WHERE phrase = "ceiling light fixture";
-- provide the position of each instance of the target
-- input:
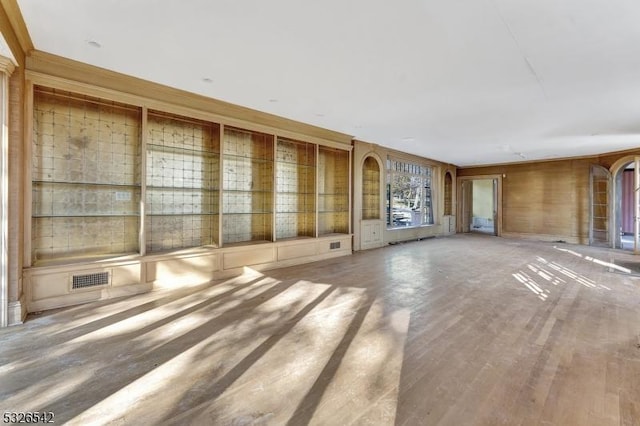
(273, 101)
(207, 80)
(94, 43)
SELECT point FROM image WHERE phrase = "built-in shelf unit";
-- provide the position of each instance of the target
(182, 182)
(295, 189)
(333, 191)
(126, 194)
(85, 177)
(371, 190)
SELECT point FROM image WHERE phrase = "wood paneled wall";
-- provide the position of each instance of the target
(16, 182)
(545, 200)
(548, 200)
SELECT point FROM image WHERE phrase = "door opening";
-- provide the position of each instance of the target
(479, 200)
(619, 211)
(627, 206)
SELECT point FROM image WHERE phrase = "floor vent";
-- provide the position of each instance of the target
(333, 246)
(90, 280)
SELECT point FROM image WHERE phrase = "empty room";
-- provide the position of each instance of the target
(330, 213)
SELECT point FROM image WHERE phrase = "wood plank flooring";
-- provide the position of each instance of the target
(466, 330)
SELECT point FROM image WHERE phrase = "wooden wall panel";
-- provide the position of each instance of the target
(16, 183)
(14, 31)
(607, 160)
(545, 198)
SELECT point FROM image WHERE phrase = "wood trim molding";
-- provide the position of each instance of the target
(156, 96)
(16, 19)
(7, 66)
(14, 30)
(620, 163)
(17, 311)
(499, 202)
(4, 200)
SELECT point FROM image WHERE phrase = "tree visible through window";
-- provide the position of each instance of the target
(409, 196)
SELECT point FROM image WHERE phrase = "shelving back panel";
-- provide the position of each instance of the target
(85, 176)
(295, 189)
(182, 196)
(370, 189)
(247, 186)
(333, 191)
(448, 194)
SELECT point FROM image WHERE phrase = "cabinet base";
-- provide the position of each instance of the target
(50, 287)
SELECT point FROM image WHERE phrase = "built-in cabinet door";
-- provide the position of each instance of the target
(448, 225)
(371, 234)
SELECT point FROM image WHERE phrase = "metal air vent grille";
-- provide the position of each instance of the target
(90, 280)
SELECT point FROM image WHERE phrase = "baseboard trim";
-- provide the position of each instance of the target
(544, 237)
(17, 311)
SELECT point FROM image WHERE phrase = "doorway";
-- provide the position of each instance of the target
(626, 179)
(620, 206)
(480, 205)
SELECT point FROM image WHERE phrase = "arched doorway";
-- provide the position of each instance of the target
(625, 178)
(624, 209)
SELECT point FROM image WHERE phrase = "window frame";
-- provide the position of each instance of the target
(413, 170)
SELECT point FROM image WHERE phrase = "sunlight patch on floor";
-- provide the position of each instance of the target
(610, 265)
(549, 272)
(531, 285)
(296, 354)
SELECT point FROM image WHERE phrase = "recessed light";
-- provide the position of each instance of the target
(94, 43)
(207, 80)
(408, 139)
(273, 101)
(319, 115)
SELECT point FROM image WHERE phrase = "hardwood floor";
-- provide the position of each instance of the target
(466, 330)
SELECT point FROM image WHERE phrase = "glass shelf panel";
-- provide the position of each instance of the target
(238, 228)
(247, 196)
(180, 231)
(183, 168)
(72, 237)
(60, 199)
(86, 176)
(333, 191)
(295, 189)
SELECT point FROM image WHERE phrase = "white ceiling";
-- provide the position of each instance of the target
(462, 81)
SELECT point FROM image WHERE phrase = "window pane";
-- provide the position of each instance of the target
(409, 196)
